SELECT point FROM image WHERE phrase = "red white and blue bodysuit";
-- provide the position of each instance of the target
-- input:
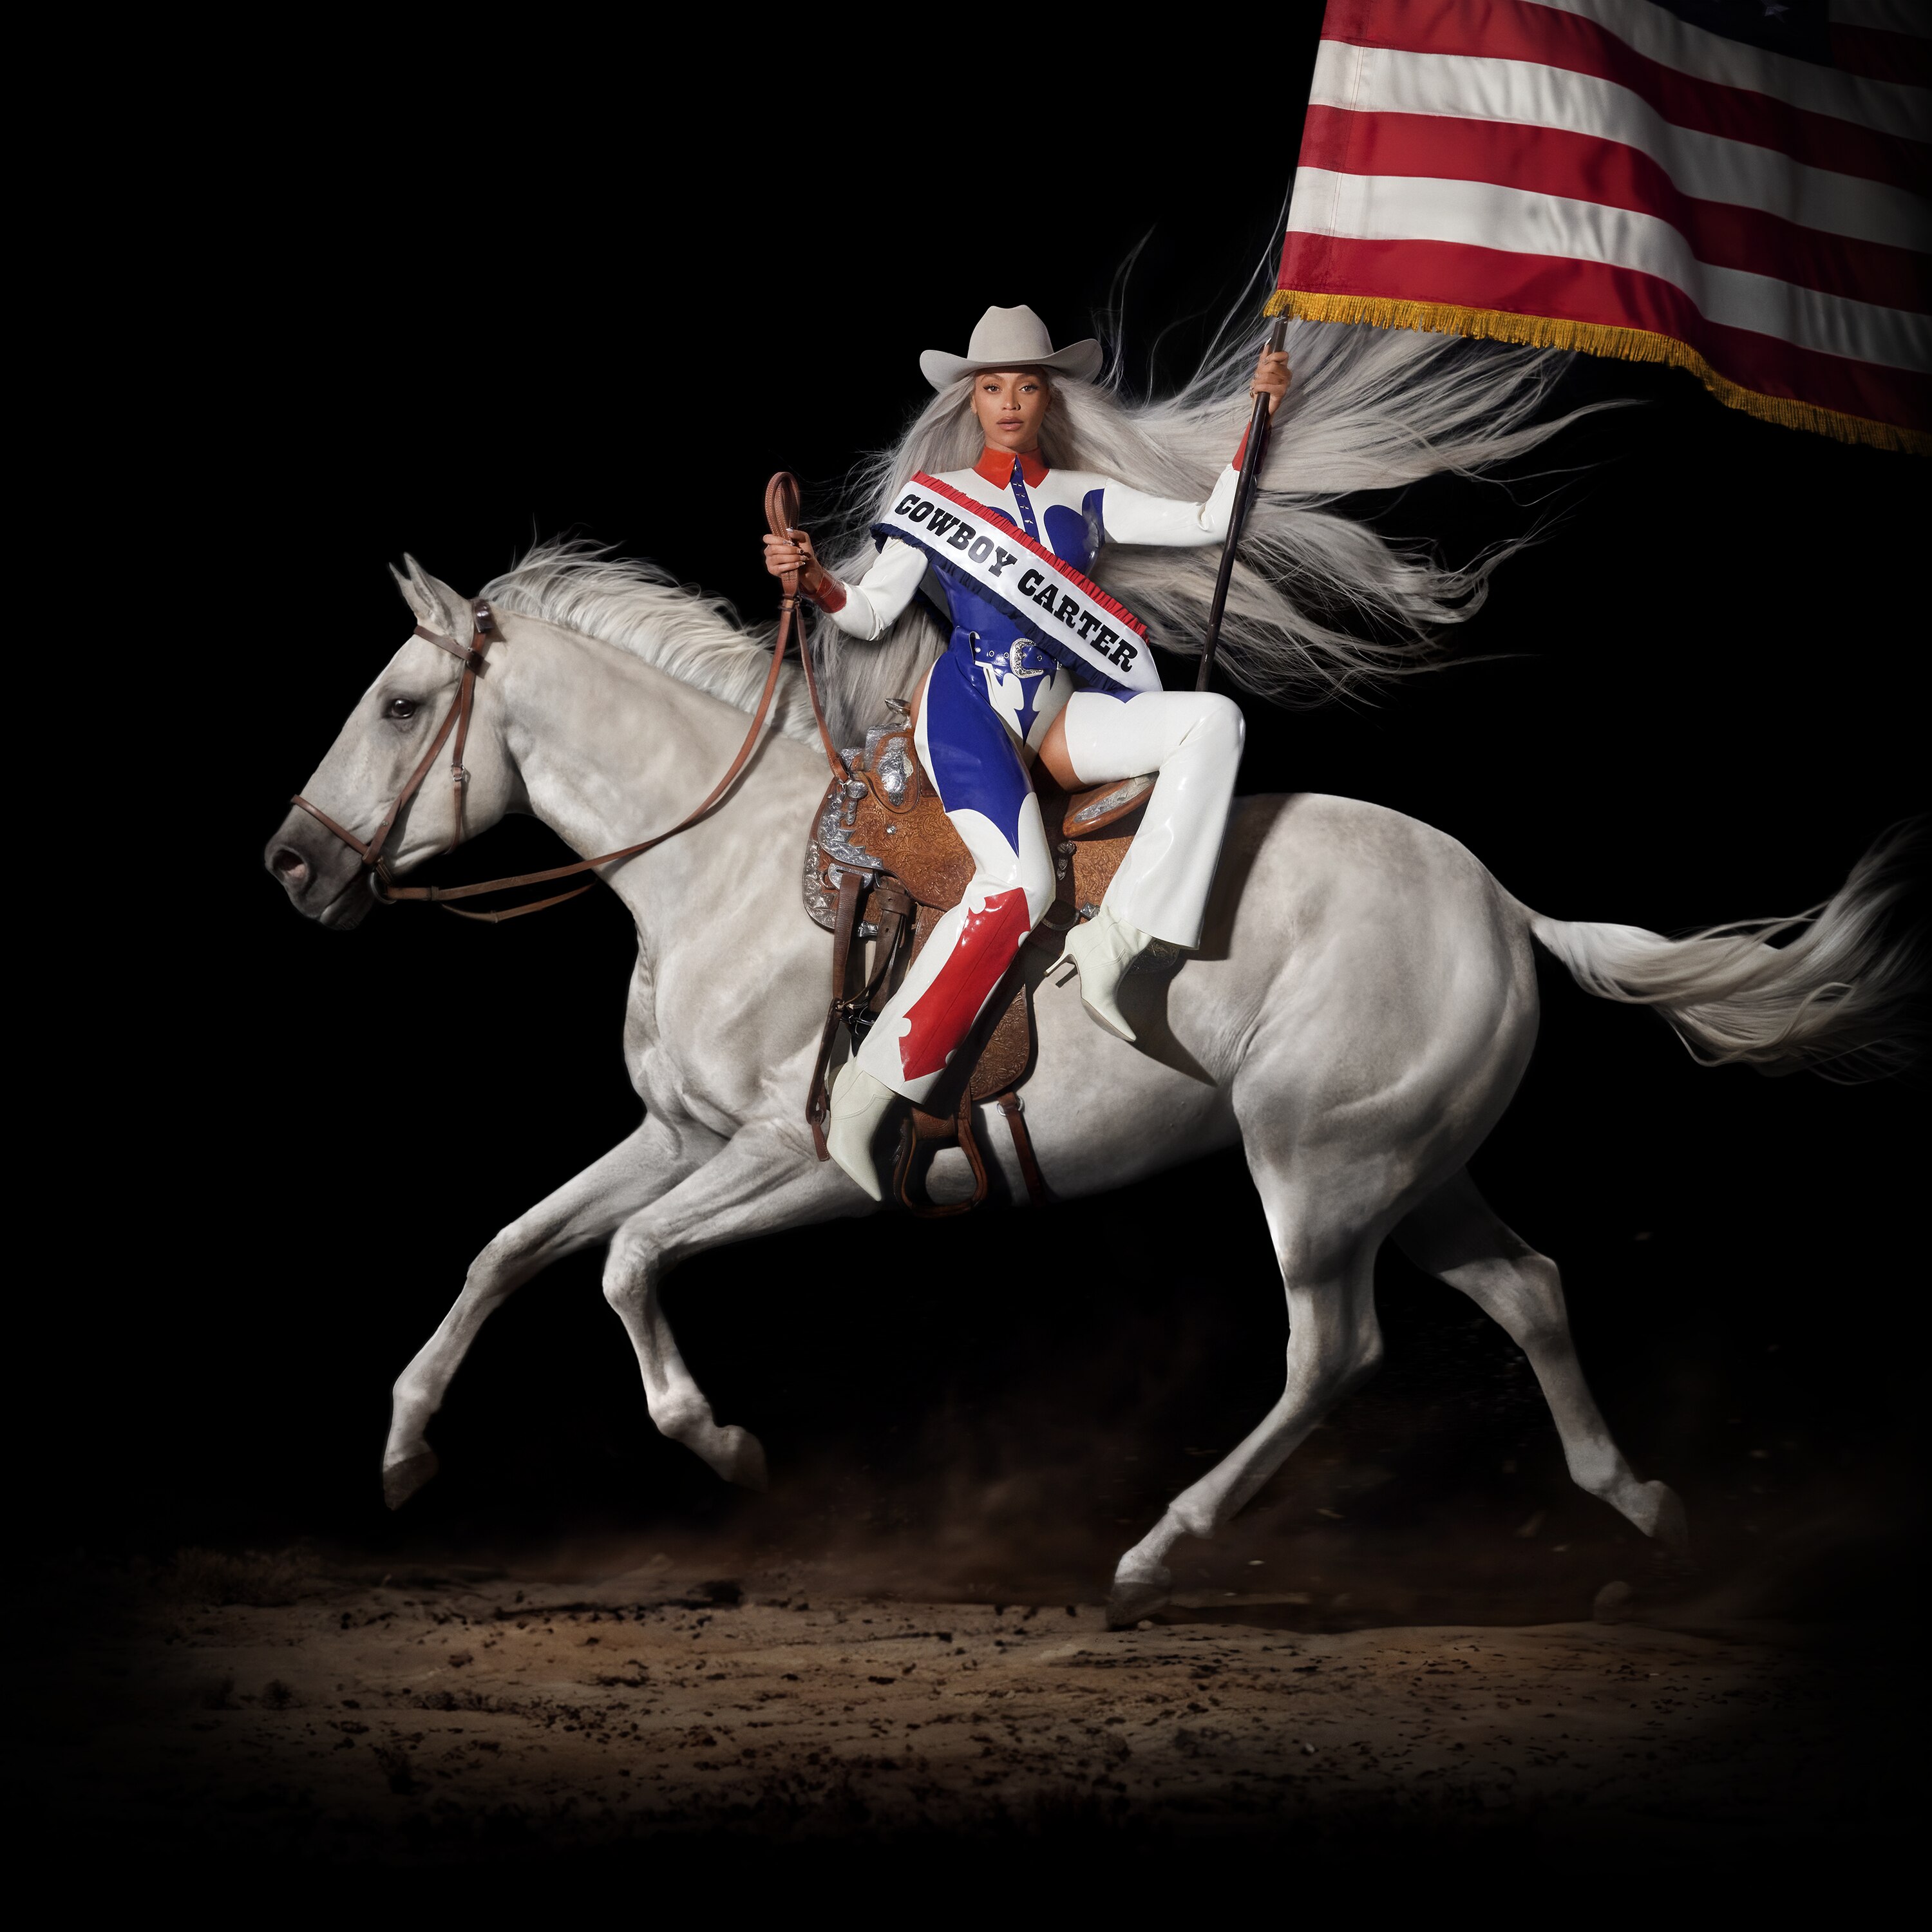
(987, 704)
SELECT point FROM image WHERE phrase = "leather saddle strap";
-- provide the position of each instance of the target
(969, 1145)
(1010, 1104)
(817, 1099)
(893, 908)
(957, 1132)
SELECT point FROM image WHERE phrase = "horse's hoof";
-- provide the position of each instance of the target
(743, 1460)
(1133, 1597)
(401, 1480)
(1670, 1526)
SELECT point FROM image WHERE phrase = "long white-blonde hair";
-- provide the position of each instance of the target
(1320, 603)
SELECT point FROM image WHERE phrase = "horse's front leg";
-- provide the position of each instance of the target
(587, 1209)
(766, 1179)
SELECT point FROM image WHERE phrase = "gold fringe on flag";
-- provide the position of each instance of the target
(1595, 338)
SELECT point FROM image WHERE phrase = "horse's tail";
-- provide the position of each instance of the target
(1842, 996)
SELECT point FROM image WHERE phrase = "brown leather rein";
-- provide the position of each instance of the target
(781, 512)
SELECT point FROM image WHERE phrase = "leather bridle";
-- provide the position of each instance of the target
(781, 511)
(483, 624)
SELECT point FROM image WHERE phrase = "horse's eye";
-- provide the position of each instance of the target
(400, 709)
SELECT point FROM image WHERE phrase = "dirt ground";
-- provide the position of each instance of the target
(273, 1708)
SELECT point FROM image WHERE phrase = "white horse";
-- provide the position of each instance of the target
(1358, 1016)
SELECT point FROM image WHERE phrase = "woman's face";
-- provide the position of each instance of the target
(1011, 405)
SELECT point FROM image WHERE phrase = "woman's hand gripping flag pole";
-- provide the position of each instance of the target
(1244, 497)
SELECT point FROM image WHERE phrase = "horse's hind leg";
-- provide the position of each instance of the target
(1327, 1253)
(586, 1209)
(1455, 1236)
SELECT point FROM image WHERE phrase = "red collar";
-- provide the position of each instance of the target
(997, 467)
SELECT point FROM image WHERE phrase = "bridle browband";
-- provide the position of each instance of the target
(781, 511)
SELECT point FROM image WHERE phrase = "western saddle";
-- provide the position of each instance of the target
(882, 864)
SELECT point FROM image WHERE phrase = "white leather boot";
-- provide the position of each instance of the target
(860, 1105)
(1103, 949)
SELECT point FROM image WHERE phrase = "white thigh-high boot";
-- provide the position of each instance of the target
(1192, 740)
(908, 1051)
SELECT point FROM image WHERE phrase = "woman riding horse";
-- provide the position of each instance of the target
(1012, 688)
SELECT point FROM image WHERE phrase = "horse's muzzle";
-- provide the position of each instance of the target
(323, 878)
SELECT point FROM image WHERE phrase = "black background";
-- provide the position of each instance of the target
(1702, 706)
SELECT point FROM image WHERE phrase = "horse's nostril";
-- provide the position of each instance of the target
(289, 866)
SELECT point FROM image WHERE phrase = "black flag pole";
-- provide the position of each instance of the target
(1244, 497)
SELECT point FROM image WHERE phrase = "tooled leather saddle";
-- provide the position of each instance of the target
(882, 864)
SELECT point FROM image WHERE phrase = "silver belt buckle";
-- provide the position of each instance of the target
(1029, 659)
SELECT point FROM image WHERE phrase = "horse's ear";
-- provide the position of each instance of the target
(436, 606)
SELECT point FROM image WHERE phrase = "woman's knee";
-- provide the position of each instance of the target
(1040, 883)
(1000, 866)
(1218, 722)
(1034, 873)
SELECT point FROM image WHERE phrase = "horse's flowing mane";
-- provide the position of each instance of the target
(701, 640)
(1321, 603)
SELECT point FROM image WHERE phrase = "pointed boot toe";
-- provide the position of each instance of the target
(1097, 996)
(1103, 949)
(860, 1106)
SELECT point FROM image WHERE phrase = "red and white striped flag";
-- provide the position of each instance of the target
(1738, 187)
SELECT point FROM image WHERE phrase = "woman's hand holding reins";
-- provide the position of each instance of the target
(1272, 377)
(793, 551)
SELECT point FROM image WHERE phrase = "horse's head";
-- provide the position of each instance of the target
(387, 739)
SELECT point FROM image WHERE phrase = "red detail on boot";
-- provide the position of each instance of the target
(943, 1015)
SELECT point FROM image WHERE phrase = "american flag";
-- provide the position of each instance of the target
(1738, 187)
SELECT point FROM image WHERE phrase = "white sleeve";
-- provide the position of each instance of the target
(879, 598)
(1131, 517)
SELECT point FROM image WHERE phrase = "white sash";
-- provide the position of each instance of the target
(1043, 594)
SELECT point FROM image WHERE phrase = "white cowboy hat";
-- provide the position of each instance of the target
(1010, 338)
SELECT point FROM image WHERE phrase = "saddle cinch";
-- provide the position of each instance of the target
(883, 863)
